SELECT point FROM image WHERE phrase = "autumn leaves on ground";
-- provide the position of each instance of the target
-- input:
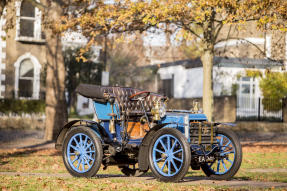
(265, 162)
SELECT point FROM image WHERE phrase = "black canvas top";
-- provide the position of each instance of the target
(91, 91)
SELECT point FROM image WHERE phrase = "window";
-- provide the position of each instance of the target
(167, 87)
(28, 23)
(27, 77)
(27, 19)
(86, 104)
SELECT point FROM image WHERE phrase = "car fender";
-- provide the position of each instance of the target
(143, 150)
(98, 129)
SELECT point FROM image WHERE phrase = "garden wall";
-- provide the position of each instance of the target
(224, 107)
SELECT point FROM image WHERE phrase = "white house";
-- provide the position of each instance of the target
(184, 79)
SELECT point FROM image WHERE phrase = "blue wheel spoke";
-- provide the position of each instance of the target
(163, 145)
(72, 154)
(157, 150)
(89, 145)
(173, 163)
(163, 164)
(74, 160)
(227, 144)
(83, 165)
(177, 151)
(90, 158)
(87, 162)
(225, 153)
(221, 140)
(230, 161)
(75, 148)
(224, 165)
(85, 142)
(218, 165)
(173, 146)
(81, 141)
(158, 159)
(168, 167)
(225, 148)
(177, 159)
(168, 143)
(79, 162)
(75, 140)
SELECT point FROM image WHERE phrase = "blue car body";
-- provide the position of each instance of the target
(179, 119)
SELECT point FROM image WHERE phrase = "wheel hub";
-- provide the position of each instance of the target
(169, 155)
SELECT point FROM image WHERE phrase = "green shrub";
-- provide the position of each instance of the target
(21, 106)
(274, 89)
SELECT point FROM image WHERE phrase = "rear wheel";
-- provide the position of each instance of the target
(230, 156)
(82, 152)
(169, 155)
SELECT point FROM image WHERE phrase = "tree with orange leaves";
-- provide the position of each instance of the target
(202, 19)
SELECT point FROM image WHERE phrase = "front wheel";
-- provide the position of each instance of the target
(169, 155)
(230, 156)
(82, 152)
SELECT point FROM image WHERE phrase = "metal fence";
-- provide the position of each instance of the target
(258, 109)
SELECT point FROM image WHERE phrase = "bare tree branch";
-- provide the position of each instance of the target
(228, 35)
(37, 4)
(217, 30)
(249, 42)
(189, 30)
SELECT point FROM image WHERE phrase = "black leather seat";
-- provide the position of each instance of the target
(122, 95)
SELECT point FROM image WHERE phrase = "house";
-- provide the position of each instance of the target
(23, 51)
(184, 78)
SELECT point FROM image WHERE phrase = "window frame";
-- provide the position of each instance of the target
(37, 33)
(36, 76)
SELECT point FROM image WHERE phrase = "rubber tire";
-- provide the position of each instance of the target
(99, 151)
(186, 150)
(132, 172)
(237, 161)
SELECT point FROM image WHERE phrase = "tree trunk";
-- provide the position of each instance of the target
(207, 61)
(56, 107)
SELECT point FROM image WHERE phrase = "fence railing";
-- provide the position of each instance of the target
(258, 109)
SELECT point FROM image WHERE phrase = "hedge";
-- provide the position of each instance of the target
(21, 106)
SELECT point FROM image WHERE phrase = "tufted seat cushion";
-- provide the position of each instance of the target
(122, 95)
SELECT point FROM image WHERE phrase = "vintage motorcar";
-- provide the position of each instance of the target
(134, 131)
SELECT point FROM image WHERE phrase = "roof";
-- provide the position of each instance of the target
(226, 62)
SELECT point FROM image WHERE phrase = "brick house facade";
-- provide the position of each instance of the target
(23, 51)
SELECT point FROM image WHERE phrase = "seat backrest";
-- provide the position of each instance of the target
(122, 95)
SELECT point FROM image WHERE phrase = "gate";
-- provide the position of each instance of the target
(258, 109)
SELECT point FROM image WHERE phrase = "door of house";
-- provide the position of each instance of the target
(247, 97)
